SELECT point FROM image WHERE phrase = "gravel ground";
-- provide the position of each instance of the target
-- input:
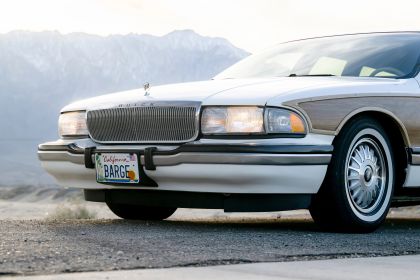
(46, 247)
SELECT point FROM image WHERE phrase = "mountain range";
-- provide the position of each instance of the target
(42, 71)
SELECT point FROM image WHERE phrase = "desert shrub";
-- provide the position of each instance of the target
(71, 212)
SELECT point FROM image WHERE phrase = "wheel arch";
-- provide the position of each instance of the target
(381, 115)
(396, 132)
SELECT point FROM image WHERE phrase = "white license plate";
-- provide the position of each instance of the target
(117, 168)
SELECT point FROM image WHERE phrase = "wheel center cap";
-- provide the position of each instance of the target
(368, 174)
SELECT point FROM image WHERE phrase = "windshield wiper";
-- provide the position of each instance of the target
(312, 75)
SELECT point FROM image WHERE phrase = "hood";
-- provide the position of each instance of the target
(273, 91)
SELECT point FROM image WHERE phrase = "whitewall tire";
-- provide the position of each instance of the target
(358, 188)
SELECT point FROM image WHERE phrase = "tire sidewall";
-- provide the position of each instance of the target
(355, 131)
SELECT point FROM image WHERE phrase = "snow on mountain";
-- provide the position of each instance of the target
(42, 71)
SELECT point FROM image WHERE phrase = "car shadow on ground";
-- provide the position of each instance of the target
(253, 224)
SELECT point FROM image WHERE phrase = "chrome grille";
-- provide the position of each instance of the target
(153, 124)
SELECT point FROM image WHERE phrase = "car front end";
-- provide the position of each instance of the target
(225, 152)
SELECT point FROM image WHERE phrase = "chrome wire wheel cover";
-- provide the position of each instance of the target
(366, 175)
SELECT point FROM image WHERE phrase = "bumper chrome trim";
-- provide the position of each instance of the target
(61, 146)
(240, 158)
(206, 158)
(200, 154)
(61, 156)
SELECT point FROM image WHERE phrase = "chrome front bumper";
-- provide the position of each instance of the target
(201, 167)
(194, 153)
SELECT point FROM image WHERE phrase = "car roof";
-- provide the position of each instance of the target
(365, 33)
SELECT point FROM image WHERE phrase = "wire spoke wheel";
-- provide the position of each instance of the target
(366, 175)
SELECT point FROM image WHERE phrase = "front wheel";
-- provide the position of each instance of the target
(358, 188)
(137, 212)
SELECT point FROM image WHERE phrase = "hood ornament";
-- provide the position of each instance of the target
(146, 87)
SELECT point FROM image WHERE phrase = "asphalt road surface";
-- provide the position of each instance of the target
(46, 247)
(383, 268)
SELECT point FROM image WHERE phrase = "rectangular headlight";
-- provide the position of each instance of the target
(250, 120)
(232, 120)
(72, 124)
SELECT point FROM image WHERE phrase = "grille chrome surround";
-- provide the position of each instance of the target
(167, 122)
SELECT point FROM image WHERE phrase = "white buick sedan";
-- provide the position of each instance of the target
(327, 124)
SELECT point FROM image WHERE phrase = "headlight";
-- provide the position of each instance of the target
(232, 120)
(250, 120)
(72, 124)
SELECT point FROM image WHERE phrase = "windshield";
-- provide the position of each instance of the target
(393, 55)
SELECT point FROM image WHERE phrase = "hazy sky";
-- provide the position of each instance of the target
(249, 24)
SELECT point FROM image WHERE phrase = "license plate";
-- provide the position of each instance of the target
(117, 168)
